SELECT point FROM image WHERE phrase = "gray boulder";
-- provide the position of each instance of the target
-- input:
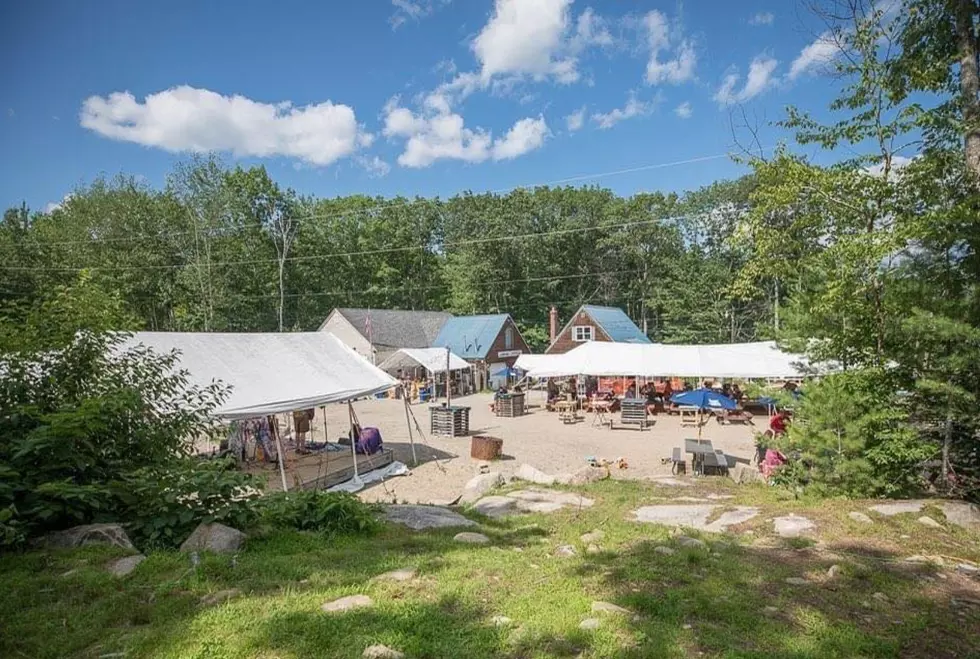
(961, 513)
(470, 538)
(425, 517)
(533, 475)
(607, 607)
(480, 485)
(89, 534)
(347, 603)
(860, 518)
(584, 476)
(214, 537)
(382, 652)
(123, 566)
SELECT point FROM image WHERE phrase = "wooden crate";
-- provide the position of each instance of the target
(451, 421)
(510, 405)
(484, 447)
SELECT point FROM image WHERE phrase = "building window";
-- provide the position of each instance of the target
(509, 338)
(583, 333)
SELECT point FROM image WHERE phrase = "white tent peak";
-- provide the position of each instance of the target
(270, 372)
(432, 359)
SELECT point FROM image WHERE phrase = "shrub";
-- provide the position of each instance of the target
(308, 510)
(162, 505)
(76, 419)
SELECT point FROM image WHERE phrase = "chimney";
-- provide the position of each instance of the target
(552, 324)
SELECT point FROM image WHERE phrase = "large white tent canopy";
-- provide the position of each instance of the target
(432, 359)
(760, 360)
(270, 373)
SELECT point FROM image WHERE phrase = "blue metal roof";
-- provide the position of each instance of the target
(616, 324)
(470, 337)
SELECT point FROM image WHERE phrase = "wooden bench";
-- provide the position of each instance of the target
(679, 465)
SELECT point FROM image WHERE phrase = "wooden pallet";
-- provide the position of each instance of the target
(452, 422)
(510, 406)
(633, 412)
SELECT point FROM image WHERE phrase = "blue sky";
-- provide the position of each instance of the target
(426, 97)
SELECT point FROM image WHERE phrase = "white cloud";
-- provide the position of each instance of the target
(897, 165)
(633, 108)
(442, 135)
(758, 80)
(575, 120)
(375, 166)
(663, 38)
(524, 136)
(52, 206)
(411, 10)
(591, 30)
(522, 38)
(198, 120)
(683, 110)
(762, 18)
(819, 53)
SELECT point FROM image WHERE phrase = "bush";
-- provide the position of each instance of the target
(76, 419)
(308, 510)
(853, 432)
(161, 506)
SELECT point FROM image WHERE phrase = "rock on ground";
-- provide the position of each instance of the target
(792, 526)
(89, 534)
(592, 536)
(607, 607)
(929, 522)
(471, 538)
(690, 543)
(123, 566)
(403, 574)
(584, 476)
(796, 581)
(860, 518)
(534, 496)
(967, 569)
(381, 652)
(666, 551)
(496, 506)
(668, 481)
(695, 516)
(565, 550)
(425, 517)
(501, 621)
(479, 485)
(743, 473)
(220, 596)
(961, 513)
(593, 549)
(898, 507)
(533, 475)
(589, 624)
(347, 603)
(215, 537)
(833, 572)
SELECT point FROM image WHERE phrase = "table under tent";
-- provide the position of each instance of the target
(276, 380)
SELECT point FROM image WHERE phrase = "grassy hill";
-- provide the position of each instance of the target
(729, 598)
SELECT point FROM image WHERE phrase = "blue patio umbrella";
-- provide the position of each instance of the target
(704, 399)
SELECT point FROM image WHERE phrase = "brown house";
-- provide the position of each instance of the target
(491, 343)
(592, 323)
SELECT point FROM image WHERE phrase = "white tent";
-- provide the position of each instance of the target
(736, 360)
(431, 359)
(271, 373)
(532, 362)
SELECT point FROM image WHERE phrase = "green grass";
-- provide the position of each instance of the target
(688, 604)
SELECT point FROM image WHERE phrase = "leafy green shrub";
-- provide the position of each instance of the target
(162, 505)
(75, 419)
(308, 510)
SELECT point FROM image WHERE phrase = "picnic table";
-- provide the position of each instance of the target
(699, 450)
(690, 416)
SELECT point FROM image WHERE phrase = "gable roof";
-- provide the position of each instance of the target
(616, 324)
(396, 328)
(613, 321)
(470, 337)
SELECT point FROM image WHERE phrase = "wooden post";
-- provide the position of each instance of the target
(411, 440)
(449, 393)
(274, 427)
(353, 442)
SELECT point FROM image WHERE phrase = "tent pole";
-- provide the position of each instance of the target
(411, 440)
(282, 469)
(353, 442)
(449, 394)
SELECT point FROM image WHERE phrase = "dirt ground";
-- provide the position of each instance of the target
(539, 439)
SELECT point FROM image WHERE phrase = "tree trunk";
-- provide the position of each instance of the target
(947, 441)
(969, 81)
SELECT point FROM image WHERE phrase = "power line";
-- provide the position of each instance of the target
(369, 252)
(398, 203)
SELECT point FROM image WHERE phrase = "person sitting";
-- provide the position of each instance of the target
(630, 391)
(778, 423)
(649, 391)
(736, 393)
(497, 395)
